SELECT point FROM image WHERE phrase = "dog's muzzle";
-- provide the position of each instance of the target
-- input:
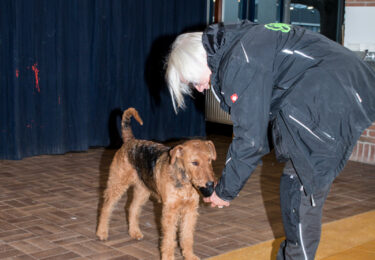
(208, 190)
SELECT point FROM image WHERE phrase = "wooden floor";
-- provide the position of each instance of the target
(49, 208)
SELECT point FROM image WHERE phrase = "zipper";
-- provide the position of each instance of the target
(304, 126)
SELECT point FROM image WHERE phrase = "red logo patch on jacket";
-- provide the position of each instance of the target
(234, 97)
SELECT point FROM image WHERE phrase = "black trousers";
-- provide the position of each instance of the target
(302, 217)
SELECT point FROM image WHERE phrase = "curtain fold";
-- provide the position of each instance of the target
(69, 68)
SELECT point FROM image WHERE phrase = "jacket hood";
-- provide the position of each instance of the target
(217, 36)
(216, 39)
(213, 39)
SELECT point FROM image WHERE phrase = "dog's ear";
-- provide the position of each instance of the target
(175, 153)
(211, 146)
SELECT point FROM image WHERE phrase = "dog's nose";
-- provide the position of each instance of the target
(208, 190)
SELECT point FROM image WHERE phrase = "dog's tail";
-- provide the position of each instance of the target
(127, 132)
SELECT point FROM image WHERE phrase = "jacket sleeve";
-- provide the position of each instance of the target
(250, 116)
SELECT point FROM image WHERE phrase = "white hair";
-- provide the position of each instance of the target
(185, 65)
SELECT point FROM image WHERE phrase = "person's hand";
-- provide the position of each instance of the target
(216, 201)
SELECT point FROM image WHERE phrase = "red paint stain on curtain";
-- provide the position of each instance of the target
(36, 72)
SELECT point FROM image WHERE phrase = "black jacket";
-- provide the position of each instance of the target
(317, 94)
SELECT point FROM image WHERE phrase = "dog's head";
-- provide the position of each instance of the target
(194, 159)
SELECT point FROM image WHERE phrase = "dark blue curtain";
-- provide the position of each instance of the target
(68, 68)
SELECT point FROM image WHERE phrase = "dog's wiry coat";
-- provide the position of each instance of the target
(173, 175)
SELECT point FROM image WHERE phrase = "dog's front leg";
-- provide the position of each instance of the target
(189, 218)
(169, 226)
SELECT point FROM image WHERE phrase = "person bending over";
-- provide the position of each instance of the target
(317, 96)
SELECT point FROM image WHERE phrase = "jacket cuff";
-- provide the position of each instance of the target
(222, 194)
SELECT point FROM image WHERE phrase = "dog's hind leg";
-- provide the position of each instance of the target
(112, 195)
(141, 195)
(187, 226)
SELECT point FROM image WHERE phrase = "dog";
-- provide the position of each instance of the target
(174, 175)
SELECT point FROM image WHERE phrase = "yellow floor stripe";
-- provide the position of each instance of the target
(362, 252)
(340, 240)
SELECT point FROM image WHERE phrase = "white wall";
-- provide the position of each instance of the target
(360, 28)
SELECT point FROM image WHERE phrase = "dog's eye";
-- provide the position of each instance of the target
(195, 163)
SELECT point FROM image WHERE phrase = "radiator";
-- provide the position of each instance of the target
(213, 112)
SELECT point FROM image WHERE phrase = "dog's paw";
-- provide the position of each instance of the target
(102, 235)
(192, 257)
(136, 234)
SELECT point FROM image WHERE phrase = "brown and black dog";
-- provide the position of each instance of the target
(173, 175)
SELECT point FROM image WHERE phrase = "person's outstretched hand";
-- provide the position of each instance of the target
(216, 201)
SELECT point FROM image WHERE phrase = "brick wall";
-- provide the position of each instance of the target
(364, 151)
(360, 3)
